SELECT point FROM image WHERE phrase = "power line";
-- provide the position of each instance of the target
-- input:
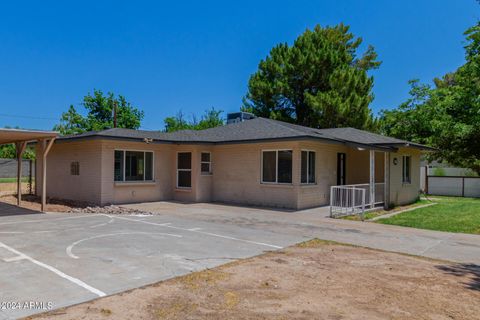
(4, 115)
(26, 117)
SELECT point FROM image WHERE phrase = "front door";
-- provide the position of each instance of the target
(341, 165)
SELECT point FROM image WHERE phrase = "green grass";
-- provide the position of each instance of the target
(376, 213)
(450, 214)
(11, 180)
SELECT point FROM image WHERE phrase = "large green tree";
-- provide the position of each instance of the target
(99, 114)
(446, 116)
(320, 81)
(412, 119)
(210, 119)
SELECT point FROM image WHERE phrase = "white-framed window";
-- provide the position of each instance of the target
(406, 169)
(307, 174)
(75, 168)
(184, 170)
(131, 165)
(277, 166)
(206, 163)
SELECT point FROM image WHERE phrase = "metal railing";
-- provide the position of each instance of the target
(347, 200)
(354, 199)
(379, 192)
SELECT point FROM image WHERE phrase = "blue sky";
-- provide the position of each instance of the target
(190, 56)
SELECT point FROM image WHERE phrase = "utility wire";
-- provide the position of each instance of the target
(25, 117)
(4, 115)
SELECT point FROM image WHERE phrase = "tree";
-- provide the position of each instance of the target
(447, 116)
(9, 151)
(71, 122)
(319, 81)
(411, 120)
(211, 118)
(177, 123)
(100, 114)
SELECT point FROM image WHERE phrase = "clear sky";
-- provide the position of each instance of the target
(190, 56)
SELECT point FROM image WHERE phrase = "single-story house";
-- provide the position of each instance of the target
(259, 161)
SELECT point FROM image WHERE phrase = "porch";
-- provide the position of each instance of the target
(362, 183)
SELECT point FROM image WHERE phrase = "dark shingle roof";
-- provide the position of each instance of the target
(257, 129)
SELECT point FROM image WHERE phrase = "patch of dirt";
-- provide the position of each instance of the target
(9, 188)
(314, 280)
(32, 202)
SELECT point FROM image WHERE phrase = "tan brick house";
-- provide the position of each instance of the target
(255, 162)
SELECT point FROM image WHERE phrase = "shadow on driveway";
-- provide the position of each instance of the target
(7, 209)
(469, 270)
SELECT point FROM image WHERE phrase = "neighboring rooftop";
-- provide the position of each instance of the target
(256, 129)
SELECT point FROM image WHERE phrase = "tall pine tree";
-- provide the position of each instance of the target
(318, 82)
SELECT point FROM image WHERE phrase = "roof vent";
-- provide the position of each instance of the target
(239, 117)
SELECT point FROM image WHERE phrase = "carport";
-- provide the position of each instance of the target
(20, 138)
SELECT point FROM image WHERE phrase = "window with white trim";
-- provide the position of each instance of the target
(206, 163)
(307, 174)
(184, 170)
(133, 165)
(406, 169)
(277, 166)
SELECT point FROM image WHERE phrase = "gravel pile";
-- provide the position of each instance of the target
(112, 209)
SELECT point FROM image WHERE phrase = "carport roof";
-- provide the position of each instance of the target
(19, 135)
(254, 130)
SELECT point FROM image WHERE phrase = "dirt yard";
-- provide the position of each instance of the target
(314, 280)
(33, 203)
(7, 188)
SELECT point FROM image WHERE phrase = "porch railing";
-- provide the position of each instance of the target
(354, 199)
(379, 193)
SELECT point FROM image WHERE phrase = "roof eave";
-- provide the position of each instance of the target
(107, 137)
(293, 138)
(409, 145)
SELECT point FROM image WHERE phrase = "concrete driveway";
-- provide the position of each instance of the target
(55, 260)
(315, 223)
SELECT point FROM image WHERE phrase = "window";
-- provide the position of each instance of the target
(75, 168)
(308, 167)
(184, 170)
(407, 162)
(133, 166)
(118, 171)
(206, 163)
(277, 166)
